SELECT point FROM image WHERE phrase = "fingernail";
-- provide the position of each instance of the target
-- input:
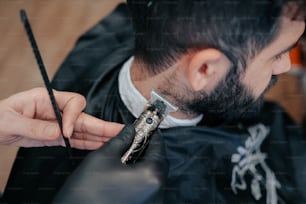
(69, 131)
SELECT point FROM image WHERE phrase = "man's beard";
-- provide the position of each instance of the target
(229, 102)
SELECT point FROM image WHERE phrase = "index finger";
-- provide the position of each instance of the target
(156, 148)
(155, 156)
(92, 125)
(71, 104)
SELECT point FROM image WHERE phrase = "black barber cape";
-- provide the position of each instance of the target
(258, 163)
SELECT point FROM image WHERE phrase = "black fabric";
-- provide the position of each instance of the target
(199, 157)
(137, 184)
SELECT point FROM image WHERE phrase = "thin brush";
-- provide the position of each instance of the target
(45, 77)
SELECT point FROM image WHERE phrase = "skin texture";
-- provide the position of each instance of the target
(273, 60)
(27, 120)
(204, 76)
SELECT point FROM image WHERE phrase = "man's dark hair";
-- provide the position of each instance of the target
(166, 29)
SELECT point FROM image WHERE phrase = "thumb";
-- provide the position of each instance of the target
(156, 148)
(120, 143)
(155, 156)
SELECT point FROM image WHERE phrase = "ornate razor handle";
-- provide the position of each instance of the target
(145, 126)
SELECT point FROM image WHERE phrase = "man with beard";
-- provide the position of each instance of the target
(213, 60)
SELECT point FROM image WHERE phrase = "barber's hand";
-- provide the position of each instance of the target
(102, 178)
(27, 119)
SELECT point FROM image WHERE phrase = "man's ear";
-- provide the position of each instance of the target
(205, 67)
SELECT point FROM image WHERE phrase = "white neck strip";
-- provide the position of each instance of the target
(135, 102)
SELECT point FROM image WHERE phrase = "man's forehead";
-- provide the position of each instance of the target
(290, 32)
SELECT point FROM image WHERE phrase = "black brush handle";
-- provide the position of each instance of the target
(45, 77)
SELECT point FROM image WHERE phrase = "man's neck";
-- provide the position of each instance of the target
(135, 100)
(144, 83)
